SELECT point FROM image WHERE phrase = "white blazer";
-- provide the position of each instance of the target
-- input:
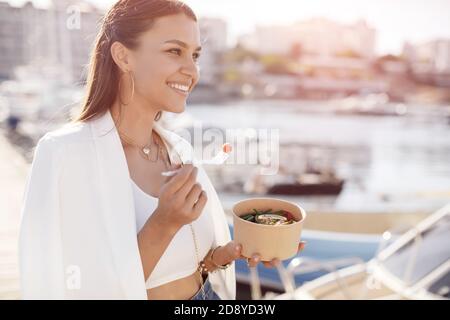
(78, 237)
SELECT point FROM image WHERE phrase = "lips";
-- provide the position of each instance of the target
(176, 86)
(184, 93)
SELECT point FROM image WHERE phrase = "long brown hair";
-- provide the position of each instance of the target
(124, 22)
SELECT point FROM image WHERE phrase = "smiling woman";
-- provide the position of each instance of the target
(153, 45)
(96, 200)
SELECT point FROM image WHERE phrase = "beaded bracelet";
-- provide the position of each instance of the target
(221, 267)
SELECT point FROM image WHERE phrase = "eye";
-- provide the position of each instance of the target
(196, 56)
(176, 50)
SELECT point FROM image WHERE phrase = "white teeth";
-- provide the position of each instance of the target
(179, 86)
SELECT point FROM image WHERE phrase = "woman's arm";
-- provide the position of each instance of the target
(181, 201)
(153, 240)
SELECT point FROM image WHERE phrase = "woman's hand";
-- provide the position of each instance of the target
(232, 251)
(181, 199)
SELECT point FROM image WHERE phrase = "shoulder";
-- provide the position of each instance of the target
(69, 133)
(54, 143)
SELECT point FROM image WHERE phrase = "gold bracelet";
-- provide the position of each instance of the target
(203, 266)
(222, 267)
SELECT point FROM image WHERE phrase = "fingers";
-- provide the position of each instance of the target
(227, 253)
(198, 207)
(301, 246)
(254, 260)
(184, 190)
(268, 264)
(230, 252)
(272, 263)
(169, 174)
(193, 195)
(177, 181)
(175, 167)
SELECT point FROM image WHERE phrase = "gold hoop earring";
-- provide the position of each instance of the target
(132, 88)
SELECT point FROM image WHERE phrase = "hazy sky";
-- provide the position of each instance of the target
(395, 20)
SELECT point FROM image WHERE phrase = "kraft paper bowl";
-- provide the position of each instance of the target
(269, 241)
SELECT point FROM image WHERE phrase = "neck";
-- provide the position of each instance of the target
(136, 120)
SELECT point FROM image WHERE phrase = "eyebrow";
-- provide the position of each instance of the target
(182, 44)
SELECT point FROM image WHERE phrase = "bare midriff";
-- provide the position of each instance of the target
(180, 289)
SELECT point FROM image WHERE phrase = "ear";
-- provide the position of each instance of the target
(121, 56)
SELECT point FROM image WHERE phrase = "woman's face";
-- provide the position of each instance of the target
(167, 56)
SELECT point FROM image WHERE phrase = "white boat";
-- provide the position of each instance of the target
(39, 98)
(415, 265)
(330, 235)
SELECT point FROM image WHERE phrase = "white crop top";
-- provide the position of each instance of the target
(179, 260)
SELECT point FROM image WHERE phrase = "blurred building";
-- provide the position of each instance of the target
(213, 33)
(329, 58)
(432, 56)
(12, 39)
(430, 61)
(316, 36)
(61, 34)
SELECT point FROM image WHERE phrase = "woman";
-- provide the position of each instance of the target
(99, 220)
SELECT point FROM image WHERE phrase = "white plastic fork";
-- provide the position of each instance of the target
(218, 159)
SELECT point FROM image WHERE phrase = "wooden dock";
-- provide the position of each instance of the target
(13, 174)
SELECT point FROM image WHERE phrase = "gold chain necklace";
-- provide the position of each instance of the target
(199, 267)
(167, 164)
(144, 151)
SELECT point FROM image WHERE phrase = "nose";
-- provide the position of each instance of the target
(191, 69)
